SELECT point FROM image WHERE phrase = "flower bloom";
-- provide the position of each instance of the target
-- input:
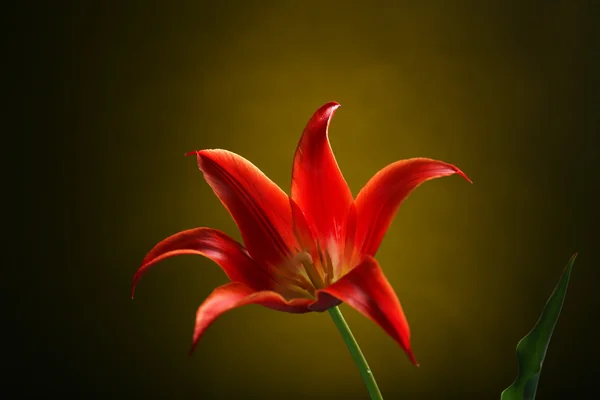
(309, 251)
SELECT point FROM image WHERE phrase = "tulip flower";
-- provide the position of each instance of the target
(309, 251)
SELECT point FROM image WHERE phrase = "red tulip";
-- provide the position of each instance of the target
(309, 251)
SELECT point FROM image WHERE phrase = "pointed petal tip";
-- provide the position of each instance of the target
(136, 279)
(412, 358)
(205, 152)
(192, 348)
(459, 172)
(209, 154)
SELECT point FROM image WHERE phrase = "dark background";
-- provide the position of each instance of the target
(110, 95)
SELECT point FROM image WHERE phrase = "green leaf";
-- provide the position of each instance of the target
(531, 350)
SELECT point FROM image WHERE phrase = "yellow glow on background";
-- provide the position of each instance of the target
(496, 89)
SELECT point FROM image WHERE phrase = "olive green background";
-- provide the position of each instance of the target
(112, 96)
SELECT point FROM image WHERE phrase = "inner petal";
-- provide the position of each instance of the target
(318, 185)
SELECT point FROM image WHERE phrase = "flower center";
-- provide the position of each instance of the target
(310, 270)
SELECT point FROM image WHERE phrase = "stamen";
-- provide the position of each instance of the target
(306, 260)
(295, 277)
(297, 291)
(304, 257)
(330, 265)
(325, 266)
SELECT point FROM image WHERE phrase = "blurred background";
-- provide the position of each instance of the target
(110, 96)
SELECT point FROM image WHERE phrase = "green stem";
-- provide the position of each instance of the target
(357, 355)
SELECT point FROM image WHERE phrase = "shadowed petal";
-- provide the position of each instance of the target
(318, 186)
(213, 244)
(366, 289)
(381, 197)
(259, 207)
(236, 294)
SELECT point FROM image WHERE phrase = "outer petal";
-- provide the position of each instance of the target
(318, 186)
(381, 197)
(213, 244)
(367, 290)
(236, 294)
(259, 207)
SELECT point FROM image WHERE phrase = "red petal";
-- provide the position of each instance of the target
(302, 229)
(236, 294)
(381, 197)
(367, 290)
(213, 244)
(318, 186)
(259, 207)
(350, 252)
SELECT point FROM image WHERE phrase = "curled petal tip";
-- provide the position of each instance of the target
(327, 110)
(191, 153)
(331, 108)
